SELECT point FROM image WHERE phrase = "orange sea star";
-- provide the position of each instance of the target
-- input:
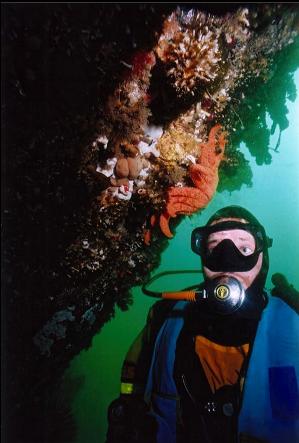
(204, 174)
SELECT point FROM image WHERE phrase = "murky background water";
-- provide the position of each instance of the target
(273, 199)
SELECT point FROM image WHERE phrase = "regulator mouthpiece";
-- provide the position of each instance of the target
(223, 295)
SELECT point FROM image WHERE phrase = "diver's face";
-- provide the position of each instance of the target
(245, 242)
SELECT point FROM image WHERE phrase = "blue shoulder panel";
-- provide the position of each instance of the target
(270, 408)
(161, 392)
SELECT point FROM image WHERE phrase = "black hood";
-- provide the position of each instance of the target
(256, 298)
(242, 213)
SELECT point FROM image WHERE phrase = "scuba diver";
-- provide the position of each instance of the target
(218, 363)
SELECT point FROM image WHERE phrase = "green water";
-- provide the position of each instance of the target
(273, 198)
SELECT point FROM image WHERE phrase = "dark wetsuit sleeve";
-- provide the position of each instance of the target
(284, 290)
(138, 358)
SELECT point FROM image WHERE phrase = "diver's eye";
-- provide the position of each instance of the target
(246, 250)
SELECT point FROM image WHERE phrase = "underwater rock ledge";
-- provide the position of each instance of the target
(85, 180)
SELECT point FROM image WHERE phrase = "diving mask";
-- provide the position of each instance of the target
(226, 256)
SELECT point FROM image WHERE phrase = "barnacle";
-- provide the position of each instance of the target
(189, 47)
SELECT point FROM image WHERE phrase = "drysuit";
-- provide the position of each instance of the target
(192, 376)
